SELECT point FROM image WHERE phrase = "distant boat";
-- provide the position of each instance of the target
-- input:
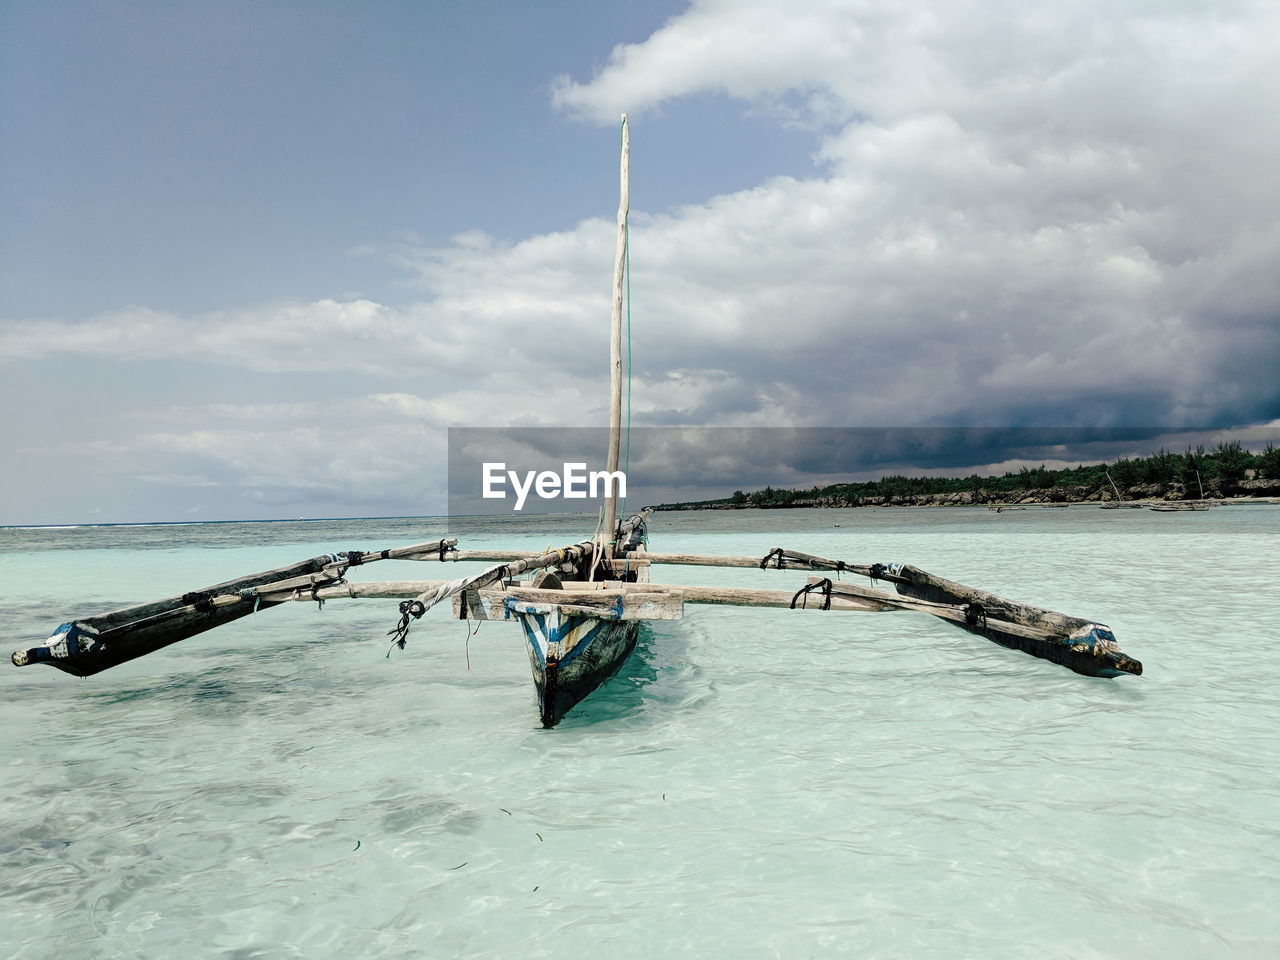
(1180, 506)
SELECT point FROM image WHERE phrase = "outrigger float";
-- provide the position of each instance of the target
(582, 607)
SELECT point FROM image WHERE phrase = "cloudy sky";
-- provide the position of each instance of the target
(256, 258)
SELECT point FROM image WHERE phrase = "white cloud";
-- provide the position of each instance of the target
(1022, 204)
(322, 335)
(175, 480)
(384, 449)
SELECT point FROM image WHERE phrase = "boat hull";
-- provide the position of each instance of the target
(571, 654)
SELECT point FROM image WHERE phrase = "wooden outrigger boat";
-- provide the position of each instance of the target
(581, 612)
(579, 632)
(1172, 506)
(1119, 503)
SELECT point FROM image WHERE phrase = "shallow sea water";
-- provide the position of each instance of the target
(756, 783)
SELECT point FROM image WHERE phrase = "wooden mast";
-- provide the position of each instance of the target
(615, 344)
(1113, 484)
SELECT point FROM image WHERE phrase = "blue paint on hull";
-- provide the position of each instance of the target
(571, 655)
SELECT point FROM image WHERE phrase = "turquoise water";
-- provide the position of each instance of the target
(756, 783)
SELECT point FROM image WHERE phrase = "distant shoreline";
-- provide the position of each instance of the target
(1268, 492)
(1227, 473)
(1110, 504)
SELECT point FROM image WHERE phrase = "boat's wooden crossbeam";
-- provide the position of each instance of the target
(716, 596)
(776, 559)
(439, 550)
(726, 596)
(615, 601)
(788, 560)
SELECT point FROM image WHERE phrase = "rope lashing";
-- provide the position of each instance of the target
(408, 609)
(877, 572)
(203, 602)
(777, 554)
(975, 614)
(470, 633)
(823, 585)
(782, 558)
(315, 595)
(354, 557)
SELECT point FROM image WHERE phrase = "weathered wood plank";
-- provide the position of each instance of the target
(373, 590)
(696, 560)
(723, 596)
(944, 611)
(789, 560)
(488, 556)
(640, 604)
(728, 596)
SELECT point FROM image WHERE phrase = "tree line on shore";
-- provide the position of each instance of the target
(1228, 470)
